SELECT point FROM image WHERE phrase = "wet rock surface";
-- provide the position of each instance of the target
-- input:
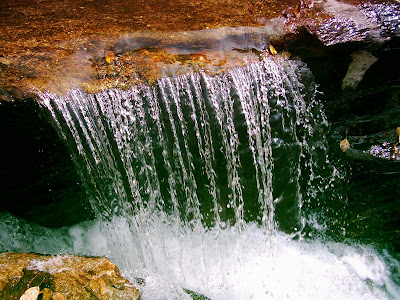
(59, 46)
(334, 22)
(46, 41)
(62, 277)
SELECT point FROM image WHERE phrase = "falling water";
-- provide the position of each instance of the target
(200, 181)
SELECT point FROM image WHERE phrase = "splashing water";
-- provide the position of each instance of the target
(202, 182)
(227, 264)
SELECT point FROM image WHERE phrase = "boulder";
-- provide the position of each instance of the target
(32, 276)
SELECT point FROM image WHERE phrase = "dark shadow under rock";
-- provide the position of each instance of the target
(38, 180)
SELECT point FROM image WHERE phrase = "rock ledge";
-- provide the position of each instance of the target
(62, 277)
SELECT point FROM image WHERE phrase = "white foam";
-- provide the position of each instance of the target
(246, 265)
(89, 233)
(228, 264)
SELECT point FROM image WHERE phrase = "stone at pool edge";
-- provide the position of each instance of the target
(74, 277)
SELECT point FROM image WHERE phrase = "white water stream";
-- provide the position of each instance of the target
(207, 183)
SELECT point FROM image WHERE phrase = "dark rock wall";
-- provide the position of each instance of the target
(38, 181)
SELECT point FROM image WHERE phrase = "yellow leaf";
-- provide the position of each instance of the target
(344, 145)
(109, 56)
(398, 132)
(272, 50)
(31, 293)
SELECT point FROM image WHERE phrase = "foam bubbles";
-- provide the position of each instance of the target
(232, 264)
(220, 264)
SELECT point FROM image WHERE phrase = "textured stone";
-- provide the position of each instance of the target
(62, 277)
(59, 46)
(362, 61)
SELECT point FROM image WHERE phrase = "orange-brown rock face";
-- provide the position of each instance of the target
(62, 277)
(45, 42)
(59, 45)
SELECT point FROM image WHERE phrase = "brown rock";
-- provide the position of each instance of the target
(62, 277)
(43, 52)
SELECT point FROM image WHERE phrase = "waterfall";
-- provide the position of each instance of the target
(203, 181)
(199, 149)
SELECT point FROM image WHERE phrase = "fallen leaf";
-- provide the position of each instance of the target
(398, 132)
(272, 50)
(109, 56)
(344, 145)
(31, 293)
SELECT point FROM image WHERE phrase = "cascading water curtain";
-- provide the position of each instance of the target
(199, 153)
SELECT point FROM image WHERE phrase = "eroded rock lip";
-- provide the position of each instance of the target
(73, 277)
(59, 46)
